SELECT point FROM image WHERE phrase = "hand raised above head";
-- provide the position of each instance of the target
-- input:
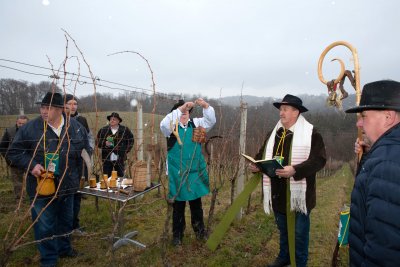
(201, 102)
(186, 107)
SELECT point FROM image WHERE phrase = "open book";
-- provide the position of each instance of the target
(267, 166)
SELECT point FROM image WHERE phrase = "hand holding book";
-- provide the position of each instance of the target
(268, 167)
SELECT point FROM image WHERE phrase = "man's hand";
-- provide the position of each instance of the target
(286, 172)
(253, 167)
(201, 102)
(186, 107)
(37, 170)
(361, 146)
(108, 143)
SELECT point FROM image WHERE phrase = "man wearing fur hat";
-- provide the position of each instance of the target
(115, 141)
(50, 150)
(296, 144)
(187, 173)
(374, 235)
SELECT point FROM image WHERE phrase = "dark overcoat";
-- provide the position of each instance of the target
(307, 169)
(28, 145)
(374, 234)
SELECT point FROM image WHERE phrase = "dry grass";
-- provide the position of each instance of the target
(253, 241)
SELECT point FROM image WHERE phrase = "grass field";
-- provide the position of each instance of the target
(252, 241)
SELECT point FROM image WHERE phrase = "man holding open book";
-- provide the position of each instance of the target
(291, 190)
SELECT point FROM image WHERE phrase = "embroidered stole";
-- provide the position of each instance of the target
(301, 146)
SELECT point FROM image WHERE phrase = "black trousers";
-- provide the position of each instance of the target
(77, 201)
(178, 218)
(76, 209)
(109, 166)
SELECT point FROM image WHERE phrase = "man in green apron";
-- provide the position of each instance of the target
(186, 167)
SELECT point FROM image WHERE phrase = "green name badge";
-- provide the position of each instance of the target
(52, 161)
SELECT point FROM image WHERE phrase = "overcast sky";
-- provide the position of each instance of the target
(212, 48)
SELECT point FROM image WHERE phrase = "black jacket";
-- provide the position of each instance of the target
(23, 150)
(307, 169)
(123, 142)
(7, 139)
(82, 120)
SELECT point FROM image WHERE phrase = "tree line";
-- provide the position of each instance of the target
(337, 128)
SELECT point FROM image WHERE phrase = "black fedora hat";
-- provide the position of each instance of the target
(293, 101)
(115, 115)
(52, 99)
(379, 95)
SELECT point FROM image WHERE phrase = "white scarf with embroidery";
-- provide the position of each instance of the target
(300, 150)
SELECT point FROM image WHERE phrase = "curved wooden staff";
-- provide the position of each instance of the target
(356, 75)
(358, 97)
(321, 77)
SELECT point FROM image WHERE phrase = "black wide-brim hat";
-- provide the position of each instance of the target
(115, 115)
(52, 99)
(293, 101)
(379, 95)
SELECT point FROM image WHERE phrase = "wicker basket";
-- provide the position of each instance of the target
(138, 174)
(199, 135)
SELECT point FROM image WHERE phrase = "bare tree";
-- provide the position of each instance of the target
(20, 94)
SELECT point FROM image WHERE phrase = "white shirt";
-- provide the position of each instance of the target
(168, 123)
(207, 121)
(113, 156)
(57, 131)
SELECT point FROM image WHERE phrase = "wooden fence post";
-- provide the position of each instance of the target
(139, 126)
(242, 149)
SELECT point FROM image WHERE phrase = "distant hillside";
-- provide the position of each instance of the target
(312, 102)
(249, 99)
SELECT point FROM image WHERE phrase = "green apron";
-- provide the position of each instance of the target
(187, 173)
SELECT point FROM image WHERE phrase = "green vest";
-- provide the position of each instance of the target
(187, 169)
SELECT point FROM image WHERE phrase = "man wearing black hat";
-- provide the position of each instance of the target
(374, 235)
(115, 141)
(296, 144)
(49, 149)
(187, 169)
(71, 111)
